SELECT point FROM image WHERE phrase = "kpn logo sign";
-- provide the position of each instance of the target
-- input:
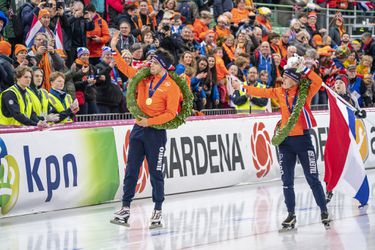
(9, 180)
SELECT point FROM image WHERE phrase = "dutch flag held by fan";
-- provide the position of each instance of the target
(345, 170)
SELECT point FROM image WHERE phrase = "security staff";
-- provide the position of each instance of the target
(39, 96)
(59, 101)
(16, 105)
(158, 97)
(298, 143)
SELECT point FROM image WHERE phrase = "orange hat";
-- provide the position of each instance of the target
(19, 48)
(42, 13)
(203, 35)
(318, 39)
(312, 14)
(5, 48)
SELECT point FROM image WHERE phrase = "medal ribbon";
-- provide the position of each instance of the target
(294, 102)
(152, 90)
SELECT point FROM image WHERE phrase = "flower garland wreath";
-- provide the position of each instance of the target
(283, 133)
(187, 104)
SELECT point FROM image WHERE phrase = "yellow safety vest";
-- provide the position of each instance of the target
(39, 106)
(246, 105)
(25, 108)
(59, 106)
(255, 108)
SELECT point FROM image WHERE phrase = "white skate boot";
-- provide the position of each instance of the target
(156, 219)
(121, 217)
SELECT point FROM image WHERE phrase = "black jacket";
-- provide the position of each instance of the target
(11, 108)
(107, 92)
(6, 72)
(78, 27)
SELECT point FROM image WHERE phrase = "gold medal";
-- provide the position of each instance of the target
(148, 101)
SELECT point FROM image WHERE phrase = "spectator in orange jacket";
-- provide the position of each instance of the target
(201, 24)
(98, 37)
(240, 14)
(221, 70)
(222, 28)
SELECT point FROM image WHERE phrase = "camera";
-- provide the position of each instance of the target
(60, 5)
(45, 43)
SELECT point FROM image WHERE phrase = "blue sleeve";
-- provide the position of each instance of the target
(194, 83)
(203, 94)
(215, 93)
(180, 69)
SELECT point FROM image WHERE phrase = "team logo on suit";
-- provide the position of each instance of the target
(261, 149)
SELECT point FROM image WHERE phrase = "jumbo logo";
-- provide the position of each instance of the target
(143, 172)
(261, 149)
(361, 139)
(9, 180)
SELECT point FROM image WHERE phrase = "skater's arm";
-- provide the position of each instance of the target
(127, 70)
(261, 92)
(316, 83)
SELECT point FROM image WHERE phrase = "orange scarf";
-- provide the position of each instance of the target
(229, 51)
(140, 24)
(45, 65)
(80, 62)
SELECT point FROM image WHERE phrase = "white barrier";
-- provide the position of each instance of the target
(49, 170)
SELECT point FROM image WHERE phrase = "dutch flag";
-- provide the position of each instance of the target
(345, 170)
(36, 25)
(59, 36)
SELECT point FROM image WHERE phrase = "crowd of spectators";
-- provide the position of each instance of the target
(217, 46)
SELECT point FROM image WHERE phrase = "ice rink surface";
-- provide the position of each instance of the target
(240, 217)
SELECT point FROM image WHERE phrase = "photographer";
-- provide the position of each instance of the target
(80, 23)
(84, 79)
(109, 94)
(46, 58)
(168, 41)
(28, 10)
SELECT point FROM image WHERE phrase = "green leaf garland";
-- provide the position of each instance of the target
(187, 104)
(282, 134)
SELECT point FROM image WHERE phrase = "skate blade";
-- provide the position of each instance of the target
(287, 229)
(156, 225)
(119, 222)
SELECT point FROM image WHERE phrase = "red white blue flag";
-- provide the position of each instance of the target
(36, 25)
(344, 168)
(59, 36)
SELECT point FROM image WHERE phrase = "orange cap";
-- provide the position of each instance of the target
(42, 13)
(5, 48)
(19, 48)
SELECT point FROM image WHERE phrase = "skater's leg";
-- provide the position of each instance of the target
(154, 149)
(287, 159)
(308, 161)
(136, 154)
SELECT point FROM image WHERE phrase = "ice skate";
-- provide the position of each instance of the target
(328, 196)
(156, 219)
(289, 223)
(326, 220)
(121, 217)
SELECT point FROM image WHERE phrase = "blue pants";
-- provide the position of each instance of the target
(149, 142)
(302, 147)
